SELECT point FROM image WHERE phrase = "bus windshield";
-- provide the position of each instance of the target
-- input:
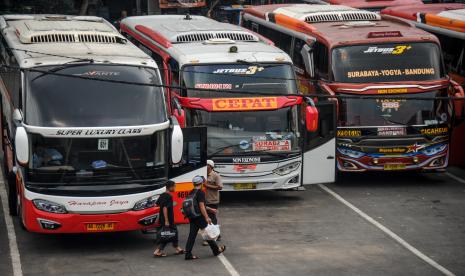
(72, 160)
(54, 100)
(387, 63)
(388, 112)
(249, 132)
(260, 78)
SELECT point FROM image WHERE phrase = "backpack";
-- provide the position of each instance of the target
(190, 206)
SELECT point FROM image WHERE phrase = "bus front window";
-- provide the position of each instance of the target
(387, 63)
(256, 78)
(421, 110)
(249, 132)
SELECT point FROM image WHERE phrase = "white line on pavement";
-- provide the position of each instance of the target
(14, 252)
(388, 232)
(453, 176)
(229, 267)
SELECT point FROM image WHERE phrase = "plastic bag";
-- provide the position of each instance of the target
(211, 232)
(166, 234)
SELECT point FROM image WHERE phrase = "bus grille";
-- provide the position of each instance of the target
(72, 38)
(342, 16)
(195, 37)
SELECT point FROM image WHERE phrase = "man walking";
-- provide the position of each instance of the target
(200, 221)
(212, 193)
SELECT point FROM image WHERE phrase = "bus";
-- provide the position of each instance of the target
(243, 89)
(388, 78)
(447, 22)
(369, 5)
(88, 143)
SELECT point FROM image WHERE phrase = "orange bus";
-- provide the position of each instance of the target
(389, 78)
(370, 5)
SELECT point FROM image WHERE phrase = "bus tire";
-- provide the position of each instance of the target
(12, 194)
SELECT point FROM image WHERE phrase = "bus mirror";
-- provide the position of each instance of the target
(180, 116)
(311, 118)
(177, 143)
(307, 56)
(459, 103)
(22, 146)
(17, 116)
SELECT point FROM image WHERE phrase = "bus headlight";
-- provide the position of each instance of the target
(432, 150)
(288, 168)
(48, 206)
(146, 203)
(350, 153)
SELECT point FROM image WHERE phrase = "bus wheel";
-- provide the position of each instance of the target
(12, 194)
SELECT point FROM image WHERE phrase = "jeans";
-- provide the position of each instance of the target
(194, 226)
(162, 245)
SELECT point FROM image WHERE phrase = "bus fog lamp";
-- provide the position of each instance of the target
(48, 206)
(145, 203)
(148, 220)
(48, 224)
(286, 169)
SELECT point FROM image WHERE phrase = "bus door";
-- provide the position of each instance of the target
(193, 162)
(319, 147)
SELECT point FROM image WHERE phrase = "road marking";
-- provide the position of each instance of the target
(229, 267)
(14, 252)
(388, 232)
(453, 176)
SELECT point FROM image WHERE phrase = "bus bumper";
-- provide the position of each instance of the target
(271, 181)
(397, 163)
(44, 222)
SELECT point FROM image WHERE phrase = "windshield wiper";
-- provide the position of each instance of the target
(392, 122)
(258, 64)
(66, 65)
(225, 147)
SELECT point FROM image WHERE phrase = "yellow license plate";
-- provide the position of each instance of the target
(93, 227)
(394, 167)
(245, 186)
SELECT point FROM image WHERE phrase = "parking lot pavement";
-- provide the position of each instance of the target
(5, 261)
(427, 210)
(278, 233)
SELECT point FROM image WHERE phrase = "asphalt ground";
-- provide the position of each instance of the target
(285, 233)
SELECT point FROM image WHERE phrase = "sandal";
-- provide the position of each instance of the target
(193, 257)
(159, 255)
(221, 250)
(180, 252)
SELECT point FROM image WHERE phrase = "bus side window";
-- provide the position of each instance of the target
(281, 40)
(297, 58)
(174, 71)
(320, 56)
(11, 75)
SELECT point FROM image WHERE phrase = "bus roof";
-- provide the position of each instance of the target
(374, 4)
(197, 39)
(341, 25)
(38, 40)
(446, 18)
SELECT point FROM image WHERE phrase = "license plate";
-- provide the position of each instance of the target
(394, 167)
(245, 186)
(92, 227)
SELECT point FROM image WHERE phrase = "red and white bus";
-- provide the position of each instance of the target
(87, 140)
(389, 77)
(244, 91)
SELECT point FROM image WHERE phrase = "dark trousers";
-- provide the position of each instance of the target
(212, 215)
(175, 242)
(194, 226)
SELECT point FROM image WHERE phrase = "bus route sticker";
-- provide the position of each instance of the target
(275, 145)
(102, 144)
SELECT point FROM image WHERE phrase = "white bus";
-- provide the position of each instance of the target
(243, 89)
(87, 139)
